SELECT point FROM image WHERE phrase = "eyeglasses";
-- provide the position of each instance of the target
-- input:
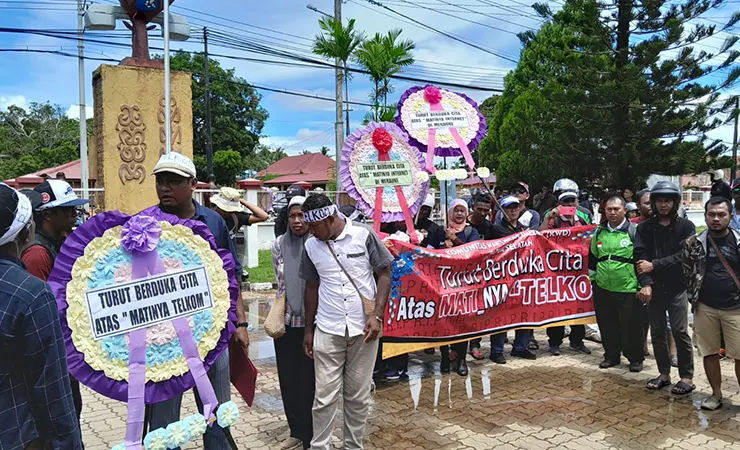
(519, 191)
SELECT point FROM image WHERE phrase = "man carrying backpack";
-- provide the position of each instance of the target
(611, 266)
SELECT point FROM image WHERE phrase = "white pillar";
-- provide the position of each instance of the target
(251, 233)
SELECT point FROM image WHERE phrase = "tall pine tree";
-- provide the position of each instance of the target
(610, 93)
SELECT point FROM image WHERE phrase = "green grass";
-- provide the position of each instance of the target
(263, 273)
(700, 229)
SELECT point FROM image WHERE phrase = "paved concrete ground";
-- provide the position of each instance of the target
(563, 402)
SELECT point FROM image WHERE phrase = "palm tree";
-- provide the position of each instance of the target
(384, 56)
(338, 42)
(324, 150)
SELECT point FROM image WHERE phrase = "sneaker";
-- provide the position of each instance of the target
(554, 350)
(533, 344)
(290, 443)
(392, 375)
(475, 353)
(498, 358)
(526, 354)
(636, 366)
(581, 348)
(462, 367)
(605, 364)
(592, 335)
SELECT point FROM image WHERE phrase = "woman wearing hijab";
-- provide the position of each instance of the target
(458, 233)
(295, 369)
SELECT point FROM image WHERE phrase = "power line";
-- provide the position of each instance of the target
(455, 38)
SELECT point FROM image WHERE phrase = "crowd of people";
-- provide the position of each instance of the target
(648, 266)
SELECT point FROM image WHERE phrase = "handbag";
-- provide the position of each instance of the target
(724, 262)
(367, 305)
(275, 321)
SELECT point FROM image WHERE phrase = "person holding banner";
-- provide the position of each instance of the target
(458, 233)
(612, 270)
(36, 406)
(482, 203)
(295, 369)
(512, 208)
(347, 306)
(529, 218)
(434, 235)
(175, 182)
(566, 214)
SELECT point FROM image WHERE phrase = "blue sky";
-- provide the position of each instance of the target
(295, 123)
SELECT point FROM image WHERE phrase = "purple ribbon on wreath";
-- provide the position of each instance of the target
(140, 236)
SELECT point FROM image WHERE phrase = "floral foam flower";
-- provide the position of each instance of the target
(227, 414)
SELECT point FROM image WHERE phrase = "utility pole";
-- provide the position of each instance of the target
(167, 93)
(83, 113)
(734, 141)
(338, 126)
(209, 138)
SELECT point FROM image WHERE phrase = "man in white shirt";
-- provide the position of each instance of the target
(338, 261)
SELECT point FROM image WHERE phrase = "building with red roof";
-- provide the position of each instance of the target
(71, 171)
(313, 169)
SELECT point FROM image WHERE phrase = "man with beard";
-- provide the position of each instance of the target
(658, 246)
(711, 264)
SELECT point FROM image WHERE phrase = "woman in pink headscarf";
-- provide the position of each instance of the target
(458, 233)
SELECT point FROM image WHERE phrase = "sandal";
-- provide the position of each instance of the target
(657, 384)
(711, 403)
(682, 388)
(476, 354)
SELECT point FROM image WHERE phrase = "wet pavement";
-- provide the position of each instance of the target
(554, 402)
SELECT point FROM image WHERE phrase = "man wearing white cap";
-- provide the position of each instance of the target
(434, 235)
(36, 406)
(175, 182)
(230, 205)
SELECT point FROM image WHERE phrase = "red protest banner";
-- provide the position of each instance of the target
(527, 280)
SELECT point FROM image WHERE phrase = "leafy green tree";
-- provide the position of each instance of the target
(338, 42)
(384, 56)
(36, 138)
(608, 94)
(228, 166)
(324, 150)
(263, 158)
(236, 115)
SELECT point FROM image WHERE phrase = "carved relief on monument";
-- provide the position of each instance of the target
(175, 127)
(132, 145)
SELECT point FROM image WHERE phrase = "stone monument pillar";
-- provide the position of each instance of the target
(129, 131)
(250, 259)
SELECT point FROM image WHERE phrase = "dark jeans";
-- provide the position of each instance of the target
(297, 383)
(556, 335)
(677, 307)
(620, 322)
(521, 341)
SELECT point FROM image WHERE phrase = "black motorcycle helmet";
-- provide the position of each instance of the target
(584, 195)
(665, 189)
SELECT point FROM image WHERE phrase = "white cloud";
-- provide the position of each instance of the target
(74, 112)
(304, 139)
(16, 100)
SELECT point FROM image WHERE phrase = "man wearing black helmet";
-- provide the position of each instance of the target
(658, 245)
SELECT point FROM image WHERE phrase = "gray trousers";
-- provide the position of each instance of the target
(167, 412)
(677, 307)
(344, 367)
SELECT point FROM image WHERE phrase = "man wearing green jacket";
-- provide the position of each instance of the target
(611, 266)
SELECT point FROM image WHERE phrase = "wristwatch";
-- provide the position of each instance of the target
(242, 324)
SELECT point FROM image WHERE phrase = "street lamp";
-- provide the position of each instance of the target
(315, 9)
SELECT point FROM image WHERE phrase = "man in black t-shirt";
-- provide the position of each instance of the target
(481, 206)
(711, 265)
(434, 235)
